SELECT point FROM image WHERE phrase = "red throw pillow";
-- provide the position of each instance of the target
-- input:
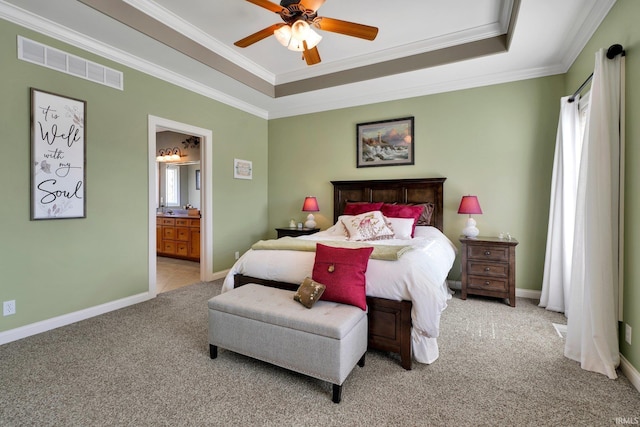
(342, 271)
(357, 208)
(403, 211)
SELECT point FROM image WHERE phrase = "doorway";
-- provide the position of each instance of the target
(158, 124)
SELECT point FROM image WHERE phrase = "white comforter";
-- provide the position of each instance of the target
(419, 275)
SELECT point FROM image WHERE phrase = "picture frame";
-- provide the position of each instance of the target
(242, 169)
(197, 179)
(58, 156)
(385, 143)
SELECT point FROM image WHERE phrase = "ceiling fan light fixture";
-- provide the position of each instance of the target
(311, 37)
(283, 35)
(296, 33)
(299, 29)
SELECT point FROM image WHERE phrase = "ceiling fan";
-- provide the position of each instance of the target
(296, 32)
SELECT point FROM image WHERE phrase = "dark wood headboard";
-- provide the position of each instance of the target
(411, 191)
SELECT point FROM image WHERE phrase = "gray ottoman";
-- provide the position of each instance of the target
(324, 342)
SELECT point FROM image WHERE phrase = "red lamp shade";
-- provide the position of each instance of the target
(310, 204)
(469, 205)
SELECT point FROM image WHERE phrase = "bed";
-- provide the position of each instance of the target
(405, 297)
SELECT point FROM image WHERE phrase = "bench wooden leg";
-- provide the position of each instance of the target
(213, 351)
(361, 361)
(337, 393)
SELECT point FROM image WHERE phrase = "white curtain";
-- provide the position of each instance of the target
(592, 335)
(562, 211)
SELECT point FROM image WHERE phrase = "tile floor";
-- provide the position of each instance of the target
(174, 273)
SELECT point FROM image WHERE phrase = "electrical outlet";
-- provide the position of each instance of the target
(237, 255)
(627, 333)
(9, 308)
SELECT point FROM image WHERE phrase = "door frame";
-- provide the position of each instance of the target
(155, 125)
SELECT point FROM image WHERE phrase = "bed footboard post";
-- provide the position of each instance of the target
(390, 327)
(406, 358)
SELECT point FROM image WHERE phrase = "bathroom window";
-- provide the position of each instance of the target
(173, 185)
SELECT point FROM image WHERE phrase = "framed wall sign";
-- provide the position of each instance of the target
(242, 169)
(385, 143)
(58, 156)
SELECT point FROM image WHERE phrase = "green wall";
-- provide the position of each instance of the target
(55, 267)
(621, 27)
(495, 142)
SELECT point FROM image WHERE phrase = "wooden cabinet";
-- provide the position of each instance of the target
(489, 267)
(178, 237)
(295, 232)
(194, 238)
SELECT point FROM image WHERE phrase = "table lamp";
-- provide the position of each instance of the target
(470, 205)
(310, 205)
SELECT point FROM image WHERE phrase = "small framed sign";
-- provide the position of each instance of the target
(242, 169)
(58, 156)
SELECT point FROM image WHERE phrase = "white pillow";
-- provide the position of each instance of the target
(367, 226)
(338, 229)
(402, 227)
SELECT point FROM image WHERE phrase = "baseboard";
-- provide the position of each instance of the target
(454, 284)
(520, 293)
(528, 293)
(630, 372)
(67, 319)
(220, 274)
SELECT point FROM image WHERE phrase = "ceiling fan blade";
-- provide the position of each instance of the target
(312, 4)
(256, 37)
(347, 28)
(273, 7)
(312, 56)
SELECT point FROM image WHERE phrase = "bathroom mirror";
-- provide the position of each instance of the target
(177, 185)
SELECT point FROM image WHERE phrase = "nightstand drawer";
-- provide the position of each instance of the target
(488, 284)
(479, 268)
(489, 252)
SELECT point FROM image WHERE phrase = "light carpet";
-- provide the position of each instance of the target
(148, 365)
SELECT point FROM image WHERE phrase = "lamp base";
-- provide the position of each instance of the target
(310, 223)
(470, 230)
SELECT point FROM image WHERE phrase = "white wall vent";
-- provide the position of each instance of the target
(38, 53)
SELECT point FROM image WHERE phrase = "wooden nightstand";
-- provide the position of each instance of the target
(295, 232)
(489, 267)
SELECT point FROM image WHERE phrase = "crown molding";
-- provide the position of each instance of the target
(396, 87)
(340, 100)
(581, 33)
(169, 18)
(56, 31)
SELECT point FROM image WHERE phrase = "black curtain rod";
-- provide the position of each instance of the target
(613, 51)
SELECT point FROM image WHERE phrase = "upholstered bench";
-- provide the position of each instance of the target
(324, 342)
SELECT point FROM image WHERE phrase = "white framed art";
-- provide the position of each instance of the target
(242, 169)
(58, 159)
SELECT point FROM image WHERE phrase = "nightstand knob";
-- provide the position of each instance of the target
(487, 269)
(487, 253)
(487, 283)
